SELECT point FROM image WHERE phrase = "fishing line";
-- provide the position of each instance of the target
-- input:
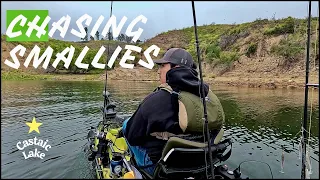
(203, 133)
(310, 157)
(311, 108)
(202, 98)
(204, 139)
(256, 161)
(304, 174)
(299, 145)
(302, 130)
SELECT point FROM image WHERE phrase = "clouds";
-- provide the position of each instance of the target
(162, 16)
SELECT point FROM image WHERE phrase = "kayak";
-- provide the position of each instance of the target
(107, 148)
(111, 158)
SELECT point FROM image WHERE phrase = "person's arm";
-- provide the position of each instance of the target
(155, 114)
(137, 126)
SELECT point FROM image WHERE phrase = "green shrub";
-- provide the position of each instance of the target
(228, 57)
(285, 27)
(18, 75)
(252, 48)
(234, 31)
(260, 21)
(288, 49)
(213, 52)
(235, 48)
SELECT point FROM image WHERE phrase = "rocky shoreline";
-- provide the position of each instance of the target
(266, 83)
(236, 79)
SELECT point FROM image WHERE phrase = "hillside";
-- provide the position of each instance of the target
(263, 53)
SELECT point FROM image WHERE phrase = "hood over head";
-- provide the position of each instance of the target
(185, 79)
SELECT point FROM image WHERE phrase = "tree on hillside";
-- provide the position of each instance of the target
(110, 36)
(86, 37)
(138, 42)
(273, 17)
(121, 37)
(91, 38)
(128, 39)
(97, 35)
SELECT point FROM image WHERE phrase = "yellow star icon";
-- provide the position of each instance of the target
(34, 126)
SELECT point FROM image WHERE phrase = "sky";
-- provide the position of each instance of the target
(162, 15)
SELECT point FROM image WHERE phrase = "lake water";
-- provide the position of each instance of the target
(260, 122)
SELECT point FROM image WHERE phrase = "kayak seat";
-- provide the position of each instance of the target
(183, 158)
(175, 142)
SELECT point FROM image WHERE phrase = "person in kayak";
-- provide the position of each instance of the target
(160, 114)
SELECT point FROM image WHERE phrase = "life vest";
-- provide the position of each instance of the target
(189, 109)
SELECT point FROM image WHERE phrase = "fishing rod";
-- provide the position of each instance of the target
(303, 170)
(202, 90)
(106, 68)
(307, 84)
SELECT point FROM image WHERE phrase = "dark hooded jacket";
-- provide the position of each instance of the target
(156, 112)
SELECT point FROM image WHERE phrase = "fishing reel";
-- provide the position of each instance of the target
(93, 133)
(222, 172)
(108, 109)
(94, 148)
(97, 141)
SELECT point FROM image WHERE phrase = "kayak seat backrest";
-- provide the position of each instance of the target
(178, 149)
(184, 158)
(175, 142)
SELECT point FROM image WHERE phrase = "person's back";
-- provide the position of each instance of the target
(157, 117)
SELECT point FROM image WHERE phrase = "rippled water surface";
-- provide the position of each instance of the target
(260, 122)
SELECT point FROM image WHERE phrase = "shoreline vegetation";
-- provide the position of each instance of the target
(265, 53)
(252, 82)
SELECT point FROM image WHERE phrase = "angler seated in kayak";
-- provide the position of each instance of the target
(173, 109)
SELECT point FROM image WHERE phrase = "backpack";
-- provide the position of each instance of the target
(190, 113)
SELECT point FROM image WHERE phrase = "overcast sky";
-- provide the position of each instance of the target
(162, 16)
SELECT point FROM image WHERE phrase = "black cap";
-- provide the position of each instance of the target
(177, 56)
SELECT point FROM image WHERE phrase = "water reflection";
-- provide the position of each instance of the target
(260, 122)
